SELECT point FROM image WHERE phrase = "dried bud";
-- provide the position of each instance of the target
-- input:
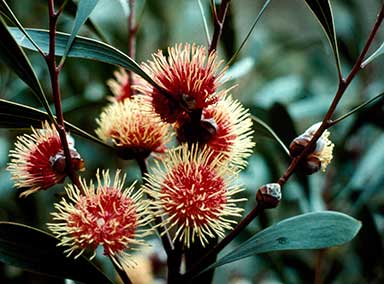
(269, 195)
(298, 144)
(58, 161)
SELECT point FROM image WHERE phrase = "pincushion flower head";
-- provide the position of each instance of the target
(133, 128)
(107, 215)
(189, 76)
(194, 194)
(38, 160)
(321, 155)
(121, 85)
(225, 127)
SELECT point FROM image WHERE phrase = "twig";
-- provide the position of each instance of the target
(132, 29)
(218, 22)
(54, 72)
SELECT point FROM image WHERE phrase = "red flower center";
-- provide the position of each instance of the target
(108, 219)
(194, 194)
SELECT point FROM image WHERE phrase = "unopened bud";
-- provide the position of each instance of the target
(269, 195)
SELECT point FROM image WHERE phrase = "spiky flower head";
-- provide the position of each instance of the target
(107, 215)
(134, 128)
(121, 85)
(226, 128)
(38, 160)
(189, 76)
(194, 194)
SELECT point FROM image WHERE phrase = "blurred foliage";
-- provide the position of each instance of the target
(286, 75)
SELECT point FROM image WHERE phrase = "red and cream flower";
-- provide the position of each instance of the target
(107, 215)
(134, 128)
(38, 160)
(231, 130)
(194, 194)
(121, 85)
(189, 76)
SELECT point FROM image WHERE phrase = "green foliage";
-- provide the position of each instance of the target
(314, 230)
(37, 251)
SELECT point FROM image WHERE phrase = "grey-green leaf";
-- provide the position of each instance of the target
(34, 250)
(84, 9)
(307, 231)
(14, 57)
(374, 55)
(82, 48)
(323, 11)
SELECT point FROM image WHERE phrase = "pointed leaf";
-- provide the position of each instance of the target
(14, 115)
(82, 48)
(307, 231)
(323, 11)
(14, 57)
(34, 250)
(374, 55)
(84, 9)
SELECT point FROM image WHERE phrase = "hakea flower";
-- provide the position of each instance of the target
(133, 128)
(189, 77)
(320, 156)
(194, 194)
(38, 160)
(105, 215)
(225, 127)
(120, 85)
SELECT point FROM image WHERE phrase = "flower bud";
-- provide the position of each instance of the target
(269, 195)
(311, 165)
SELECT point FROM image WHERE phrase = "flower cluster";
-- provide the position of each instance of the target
(38, 161)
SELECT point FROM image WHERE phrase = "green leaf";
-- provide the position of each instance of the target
(84, 9)
(374, 55)
(323, 11)
(313, 230)
(34, 250)
(14, 115)
(82, 48)
(270, 132)
(266, 3)
(14, 57)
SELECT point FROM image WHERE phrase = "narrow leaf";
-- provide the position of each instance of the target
(307, 231)
(14, 115)
(82, 48)
(374, 55)
(271, 132)
(14, 57)
(266, 3)
(84, 9)
(323, 11)
(34, 250)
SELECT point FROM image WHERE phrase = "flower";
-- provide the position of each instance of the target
(105, 215)
(134, 128)
(230, 127)
(189, 76)
(193, 193)
(120, 86)
(321, 155)
(38, 160)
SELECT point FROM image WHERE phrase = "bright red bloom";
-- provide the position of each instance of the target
(193, 193)
(38, 161)
(105, 215)
(189, 76)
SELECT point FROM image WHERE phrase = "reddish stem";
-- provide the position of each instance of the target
(132, 29)
(218, 22)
